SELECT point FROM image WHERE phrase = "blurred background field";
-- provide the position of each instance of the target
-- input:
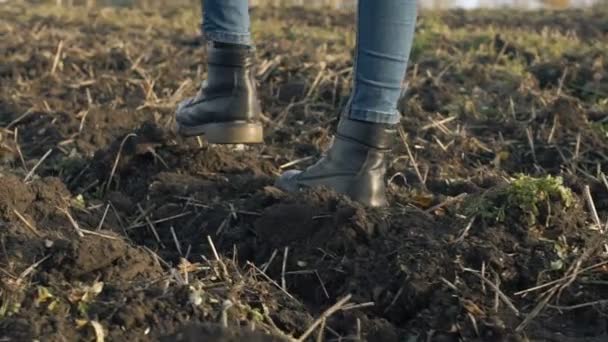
(350, 4)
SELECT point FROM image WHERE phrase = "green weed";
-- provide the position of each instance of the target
(522, 197)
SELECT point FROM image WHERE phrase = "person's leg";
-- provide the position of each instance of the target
(226, 109)
(385, 32)
(355, 165)
(226, 21)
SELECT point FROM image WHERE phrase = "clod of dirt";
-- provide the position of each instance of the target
(92, 253)
(285, 223)
(13, 196)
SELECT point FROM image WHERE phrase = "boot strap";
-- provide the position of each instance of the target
(229, 57)
(374, 135)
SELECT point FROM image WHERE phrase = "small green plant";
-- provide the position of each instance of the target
(525, 195)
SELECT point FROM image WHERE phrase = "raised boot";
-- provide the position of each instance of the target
(226, 110)
(355, 165)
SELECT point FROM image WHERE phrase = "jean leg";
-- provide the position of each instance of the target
(385, 31)
(226, 21)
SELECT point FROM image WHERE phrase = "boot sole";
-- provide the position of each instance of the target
(226, 133)
(287, 183)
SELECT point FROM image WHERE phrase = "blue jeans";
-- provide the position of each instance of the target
(385, 31)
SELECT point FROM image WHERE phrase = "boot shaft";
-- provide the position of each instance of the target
(229, 71)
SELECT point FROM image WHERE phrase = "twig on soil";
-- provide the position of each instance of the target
(501, 294)
(531, 143)
(577, 148)
(225, 222)
(465, 231)
(412, 159)
(233, 211)
(227, 304)
(317, 80)
(439, 124)
(537, 309)
(295, 162)
(119, 219)
(594, 215)
(81, 231)
(122, 145)
(19, 118)
(397, 295)
(271, 281)
(358, 306)
(447, 202)
(552, 132)
(323, 317)
(18, 148)
(604, 180)
(91, 232)
(57, 57)
(449, 284)
(31, 268)
(483, 273)
(578, 306)
(561, 81)
(139, 225)
(77, 177)
(31, 173)
(267, 263)
(591, 205)
(322, 284)
(5, 252)
(82, 120)
(151, 225)
(283, 282)
(218, 259)
(496, 296)
(156, 156)
(89, 187)
(320, 333)
(474, 323)
(157, 257)
(103, 218)
(66, 212)
(177, 244)
(27, 223)
(188, 250)
(107, 236)
(272, 325)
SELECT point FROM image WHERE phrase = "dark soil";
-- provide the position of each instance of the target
(115, 227)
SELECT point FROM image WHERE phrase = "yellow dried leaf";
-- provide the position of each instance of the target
(99, 334)
(80, 323)
(472, 308)
(423, 201)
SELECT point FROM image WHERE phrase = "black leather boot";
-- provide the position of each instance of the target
(226, 109)
(355, 164)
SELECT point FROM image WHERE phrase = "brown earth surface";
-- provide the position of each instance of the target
(113, 226)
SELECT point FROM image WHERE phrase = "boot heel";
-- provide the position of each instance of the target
(234, 133)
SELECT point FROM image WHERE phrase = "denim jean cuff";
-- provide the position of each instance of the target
(374, 116)
(228, 37)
